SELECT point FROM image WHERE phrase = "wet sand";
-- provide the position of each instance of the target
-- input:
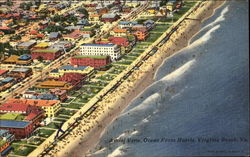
(87, 134)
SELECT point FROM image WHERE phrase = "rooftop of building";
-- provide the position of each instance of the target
(27, 44)
(12, 58)
(99, 45)
(3, 71)
(34, 102)
(46, 50)
(69, 67)
(94, 57)
(7, 79)
(12, 116)
(21, 70)
(13, 124)
(42, 45)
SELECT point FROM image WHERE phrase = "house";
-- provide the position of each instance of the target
(51, 107)
(126, 9)
(73, 36)
(171, 5)
(102, 11)
(3, 72)
(127, 24)
(93, 61)
(152, 10)
(26, 45)
(139, 27)
(6, 83)
(118, 32)
(73, 28)
(141, 34)
(124, 42)
(7, 30)
(110, 17)
(83, 22)
(46, 54)
(61, 94)
(94, 17)
(62, 45)
(54, 36)
(6, 138)
(111, 50)
(149, 24)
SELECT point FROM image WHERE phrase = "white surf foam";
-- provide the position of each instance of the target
(117, 152)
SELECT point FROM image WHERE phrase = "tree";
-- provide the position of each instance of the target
(40, 59)
(84, 11)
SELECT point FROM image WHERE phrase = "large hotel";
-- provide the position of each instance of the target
(111, 50)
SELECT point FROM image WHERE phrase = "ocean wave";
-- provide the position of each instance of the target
(117, 152)
(205, 38)
(209, 26)
(178, 73)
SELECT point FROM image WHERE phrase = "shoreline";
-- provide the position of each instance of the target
(85, 137)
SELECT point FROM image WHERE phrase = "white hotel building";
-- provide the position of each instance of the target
(111, 50)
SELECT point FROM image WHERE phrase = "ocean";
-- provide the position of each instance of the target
(198, 104)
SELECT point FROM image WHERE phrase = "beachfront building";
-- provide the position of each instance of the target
(61, 94)
(126, 43)
(141, 35)
(111, 50)
(47, 54)
(51, 107)
(93, 61)
(6, 138)
(21, 129)
(53, 84)
(75, 69)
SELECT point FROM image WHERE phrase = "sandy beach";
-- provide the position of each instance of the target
(87, 134)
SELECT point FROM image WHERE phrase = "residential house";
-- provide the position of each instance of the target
(110, 17)
(54, 36)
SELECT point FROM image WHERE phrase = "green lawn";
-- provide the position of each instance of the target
(74, 106)
(22, 150)
(66, 112)
(53, 125)
(44, 132)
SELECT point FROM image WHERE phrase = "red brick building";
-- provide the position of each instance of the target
(21, 128)
(47, 54)
(73, 78)
(121, 41)
(93, 61)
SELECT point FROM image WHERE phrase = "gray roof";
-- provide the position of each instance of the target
(27, 44)
(109, 16)
(54, 35)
